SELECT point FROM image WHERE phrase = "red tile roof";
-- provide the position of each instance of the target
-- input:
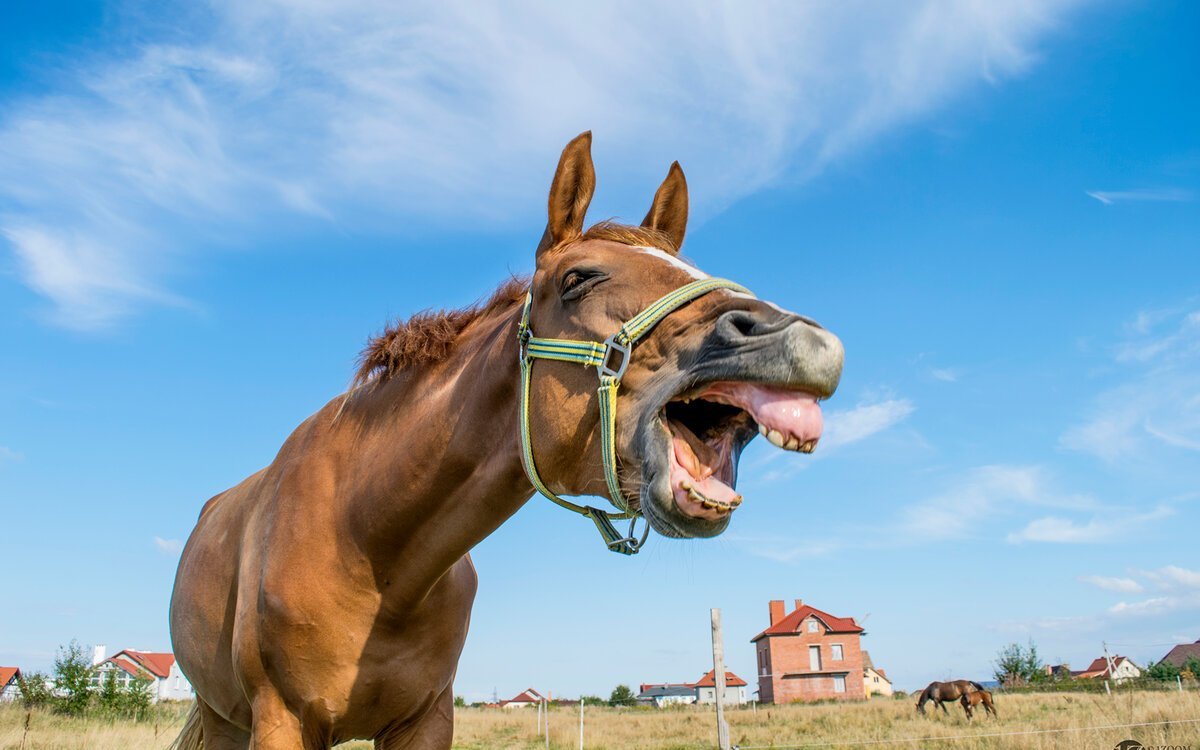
(710, 679)
(1098, 667)
(791, 624)
(126, 665)
(7, 674)
(526, 696)
(156, 663)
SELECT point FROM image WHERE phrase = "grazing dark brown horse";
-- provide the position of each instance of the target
(327, 596)
(972, 699)
(940, 692)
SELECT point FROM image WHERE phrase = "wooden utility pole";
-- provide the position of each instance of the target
(718, 644)
(581, 722)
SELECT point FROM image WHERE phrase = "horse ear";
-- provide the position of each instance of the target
(669, 211)
(570, 193)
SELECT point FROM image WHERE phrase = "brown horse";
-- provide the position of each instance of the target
(972, 699)
(940, 692)
(327, 596)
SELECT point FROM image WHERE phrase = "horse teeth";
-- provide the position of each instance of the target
(792, 444)
(735, 502)
(776, 438)
(762, 430)
(809, 446)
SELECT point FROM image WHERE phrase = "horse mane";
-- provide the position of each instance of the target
(429, 336)
(627, 234)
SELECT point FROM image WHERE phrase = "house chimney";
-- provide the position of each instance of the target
(777, 613)
(98, 654)
(799, 603)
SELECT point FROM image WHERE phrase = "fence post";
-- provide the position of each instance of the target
(581, 722)
(1107, 689)
(547, 704)
(539, 718)
(718, 645)
(1179, 680)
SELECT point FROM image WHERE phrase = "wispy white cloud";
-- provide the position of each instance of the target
(979, 497)
(1158, 405)
(863, 421)
(1174, 577)
(1056, 529)
(945, 374)
(372, 113)
(1114, 583)
(1168, 195)
(168, 546)
(1157, 605)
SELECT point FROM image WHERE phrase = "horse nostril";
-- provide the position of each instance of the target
(741, 322)
(738, 324)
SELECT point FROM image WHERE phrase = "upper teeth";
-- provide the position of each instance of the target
(789, 444)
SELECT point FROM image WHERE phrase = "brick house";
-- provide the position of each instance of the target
(809, 655)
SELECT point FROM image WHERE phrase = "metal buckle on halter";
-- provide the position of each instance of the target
(610, 344)
(633, 543)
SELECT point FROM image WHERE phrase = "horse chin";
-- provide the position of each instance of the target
(674, 502)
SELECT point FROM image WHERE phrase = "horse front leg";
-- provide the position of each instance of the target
(275, 727)
(434, 730)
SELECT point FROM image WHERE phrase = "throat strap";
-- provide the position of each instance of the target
(610, 358)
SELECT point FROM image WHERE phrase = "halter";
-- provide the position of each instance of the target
(600, 356)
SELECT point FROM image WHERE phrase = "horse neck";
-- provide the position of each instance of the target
(437, 456)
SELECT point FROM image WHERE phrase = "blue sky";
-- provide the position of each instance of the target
(206, 209)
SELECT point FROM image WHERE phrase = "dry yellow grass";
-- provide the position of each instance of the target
(833, 725)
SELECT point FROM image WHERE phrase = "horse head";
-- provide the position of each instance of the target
(699, 385)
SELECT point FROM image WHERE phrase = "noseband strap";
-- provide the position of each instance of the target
(610, 359)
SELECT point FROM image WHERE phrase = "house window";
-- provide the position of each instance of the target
(812, 626)
(762, 662)
(837, 652)
(814, 658)
(839, 684)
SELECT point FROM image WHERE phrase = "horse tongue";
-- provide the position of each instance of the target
(693, 466)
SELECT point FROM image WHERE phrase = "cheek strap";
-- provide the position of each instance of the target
(611, 359)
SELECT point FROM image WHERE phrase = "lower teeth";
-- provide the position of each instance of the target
(710, 503)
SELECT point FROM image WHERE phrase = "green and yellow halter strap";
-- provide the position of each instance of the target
(600, 356)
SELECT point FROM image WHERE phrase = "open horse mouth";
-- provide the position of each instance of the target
(710, 426)
(760, 371)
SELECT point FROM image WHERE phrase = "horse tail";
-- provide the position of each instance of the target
(191, 737)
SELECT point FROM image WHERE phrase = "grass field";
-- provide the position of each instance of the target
(820, 725)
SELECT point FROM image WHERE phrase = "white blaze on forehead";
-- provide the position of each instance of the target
(692, 271)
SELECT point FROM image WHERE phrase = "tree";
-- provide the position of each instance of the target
(460, 702)
(1018, 665)
(621, 695)
(1163, 671)
(35, 690)
(73, 679)
(1190, 669)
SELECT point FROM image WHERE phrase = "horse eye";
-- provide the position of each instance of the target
(577, 282)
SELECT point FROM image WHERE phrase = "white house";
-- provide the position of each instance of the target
(524, 699)
(735, 689)
(703, 690)
(667, 694)
(1123, 669)
(10, 684)
(167, 681)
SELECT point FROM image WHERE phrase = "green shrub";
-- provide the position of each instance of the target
(72, 680)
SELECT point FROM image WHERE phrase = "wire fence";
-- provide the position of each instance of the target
(945, 738)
